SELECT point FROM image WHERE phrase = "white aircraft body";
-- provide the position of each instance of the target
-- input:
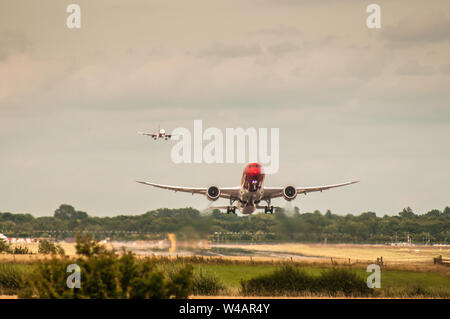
(248, 196)
(160, 134)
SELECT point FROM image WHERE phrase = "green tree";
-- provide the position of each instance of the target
(407, 213)
(67, 212)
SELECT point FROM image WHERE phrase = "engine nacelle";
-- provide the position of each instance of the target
(213, 193)
(289, 193)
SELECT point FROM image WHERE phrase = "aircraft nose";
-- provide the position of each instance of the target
(253, 171)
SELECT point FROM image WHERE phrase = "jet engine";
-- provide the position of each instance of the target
(213, 193)
(289, 193)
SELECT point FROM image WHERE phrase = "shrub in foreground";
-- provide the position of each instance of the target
(11, 277)
(290, 280)
(287, 280)
(20, 250)
(207, 284)
(7, 248)
(105, 274)
(341, 280)
(46, 247)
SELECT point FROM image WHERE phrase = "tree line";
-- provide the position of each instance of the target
(188, 223)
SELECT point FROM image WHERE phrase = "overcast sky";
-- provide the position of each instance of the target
(350, 103)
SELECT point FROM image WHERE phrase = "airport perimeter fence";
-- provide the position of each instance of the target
(227, 237)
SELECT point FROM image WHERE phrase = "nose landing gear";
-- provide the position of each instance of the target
(231, 209)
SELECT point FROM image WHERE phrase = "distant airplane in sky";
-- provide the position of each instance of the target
(160, 134)
(248, 196)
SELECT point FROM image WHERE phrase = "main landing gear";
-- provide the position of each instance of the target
(269, 207)
(231, 208)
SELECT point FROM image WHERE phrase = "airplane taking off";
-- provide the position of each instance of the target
(247, 197)
(161, 134)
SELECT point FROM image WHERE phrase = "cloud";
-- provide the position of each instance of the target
(219, 50)
(24, 76)
(445, 69)
(419, 28)
(278, 31)
(302, 3)
(414, 68)
(12, 43)
(282, 48)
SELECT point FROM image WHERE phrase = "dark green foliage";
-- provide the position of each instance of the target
(342, 280)
(89, 247)
(407, 213)
(67, 212)
(148, 285)
(5, 247)
(46, 247)
(47, 281)
(288, 280)
(11, 277)
(106, 274)
(291, 280)
(207, 284)
(20, 250)
(180, 284)
(432, 227)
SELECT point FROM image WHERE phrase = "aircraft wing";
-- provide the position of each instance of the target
(173, 135)
(225, 192)
(147, 134)
(273, 192)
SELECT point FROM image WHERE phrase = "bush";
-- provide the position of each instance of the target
(287, 280)
(341, 280)
(290, 280)
(207, 284)
(46, 247)
(105, 274)
(180, 283)
(17, 250)
(5, 247)
(11, 277)
(20, 250)
(88, 247)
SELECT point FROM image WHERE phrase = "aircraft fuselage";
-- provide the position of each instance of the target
(252, 189)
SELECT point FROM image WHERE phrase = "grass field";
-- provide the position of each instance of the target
(407, 271)
(394, 282)
(391, 279)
